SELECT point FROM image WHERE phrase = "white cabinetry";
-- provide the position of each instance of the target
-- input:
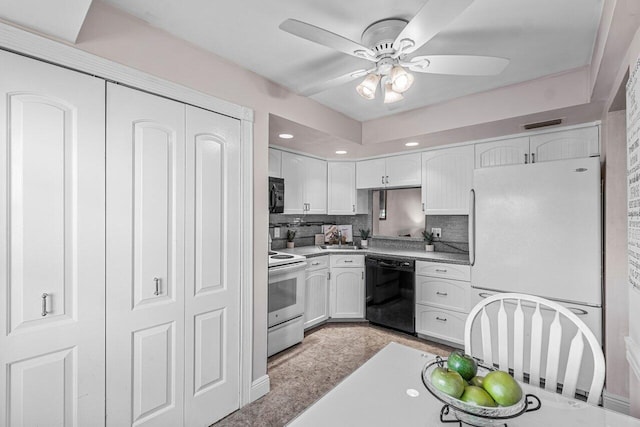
(275, 163)
(342, 197)
(347, 286)
(172, 319)
(305, 184)
(447, 178)
(394, 171)
(543, 147)
(443, 299)
(52, 218)
(316, 304)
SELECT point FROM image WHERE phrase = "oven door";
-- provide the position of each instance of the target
(286, 292)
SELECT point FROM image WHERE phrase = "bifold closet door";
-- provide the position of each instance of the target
(145, 259)
(212, 382)
(52, 216)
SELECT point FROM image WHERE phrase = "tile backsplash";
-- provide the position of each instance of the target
(307, 226)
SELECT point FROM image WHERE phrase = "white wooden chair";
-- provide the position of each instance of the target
(529, 341)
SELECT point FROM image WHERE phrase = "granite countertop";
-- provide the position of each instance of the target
(313, 251)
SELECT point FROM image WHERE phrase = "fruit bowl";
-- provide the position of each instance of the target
(471, 414)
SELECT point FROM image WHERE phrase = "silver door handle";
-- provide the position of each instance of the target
(472, 227)
(423, 207)
(315, 263)
(354, 208)
(533, 157)
(383, 179)
(157, 280)
(442, 293)
(44, 304)
(441, 319)
(441, 270)
(387, 179)
(363, 275)
(526, 158)
(348, 260)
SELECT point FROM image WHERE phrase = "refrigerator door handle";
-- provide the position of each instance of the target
(472, 227)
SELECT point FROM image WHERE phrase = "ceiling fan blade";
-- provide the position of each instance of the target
(429, 21)
(460, 65)
(326, 38)
(321, 87)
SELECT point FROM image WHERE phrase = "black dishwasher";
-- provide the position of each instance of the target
(390, 292)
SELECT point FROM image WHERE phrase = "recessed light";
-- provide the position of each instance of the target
(341, 152)
(411, 144)
(285, 136)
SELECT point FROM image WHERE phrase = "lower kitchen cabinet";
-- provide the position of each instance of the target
(316, 303)
(347, 286)
(442, 301)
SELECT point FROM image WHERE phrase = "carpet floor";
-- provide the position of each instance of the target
(302, 374)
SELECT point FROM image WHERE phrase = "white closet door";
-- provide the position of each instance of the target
(145, 259)
(212, 254)
(52, 234)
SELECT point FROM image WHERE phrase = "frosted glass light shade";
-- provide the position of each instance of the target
(367, 89)
(401, 81)
(391, 96)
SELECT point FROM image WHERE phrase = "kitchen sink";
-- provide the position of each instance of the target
(339, 247)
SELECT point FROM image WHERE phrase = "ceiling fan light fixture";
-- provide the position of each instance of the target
(367, 89)
(391, 96)
(401, 80)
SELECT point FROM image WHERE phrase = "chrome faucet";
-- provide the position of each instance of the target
(339, 238)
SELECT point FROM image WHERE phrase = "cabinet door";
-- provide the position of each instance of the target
(212, 278)
(370, 173)
(514, 151)
(316, 304)
(275, 163)
(145, 259)
(568, 144)
(293, 172)
(315, 186)
(403, 171)
(52, 233)
(347, 293)
(342, 188)
(447, 180)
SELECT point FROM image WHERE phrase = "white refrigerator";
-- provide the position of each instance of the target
(536, 229)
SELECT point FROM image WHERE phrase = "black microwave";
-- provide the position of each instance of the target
(276, 195)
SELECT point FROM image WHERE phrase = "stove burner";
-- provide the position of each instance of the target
(272, 253)
(281, 256)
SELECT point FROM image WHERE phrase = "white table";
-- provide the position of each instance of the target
(376, 395)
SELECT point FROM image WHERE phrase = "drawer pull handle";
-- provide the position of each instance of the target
(441, 319)
(44, 304)
(348, 260)
(444, 294)
(441, 270)
(315, 263)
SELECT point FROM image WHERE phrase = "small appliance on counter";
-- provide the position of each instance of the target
(276, 195)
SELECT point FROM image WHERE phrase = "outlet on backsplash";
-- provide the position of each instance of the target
(437, 232)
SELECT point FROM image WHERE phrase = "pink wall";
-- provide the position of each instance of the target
(121, 38)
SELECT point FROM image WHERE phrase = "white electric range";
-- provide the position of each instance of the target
(286, 301)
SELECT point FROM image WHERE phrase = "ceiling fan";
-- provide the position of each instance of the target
(389, 44)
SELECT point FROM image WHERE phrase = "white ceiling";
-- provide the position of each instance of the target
(540, 37)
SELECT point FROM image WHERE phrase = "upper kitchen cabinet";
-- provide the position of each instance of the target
(513, 151)
(305, 184)
(395, 171)
(275, 163)
(342, 198)
(568, 144)
(447, 178)
(545, 147)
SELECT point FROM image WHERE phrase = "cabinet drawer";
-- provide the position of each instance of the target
(339, 260)
(443, 293)
(444, 270)
(442, 324)
(317, 263)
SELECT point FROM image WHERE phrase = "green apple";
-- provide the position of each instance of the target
(502, 388)
(477, 396)
(463, 364)
(477, 381)
(449, 382)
